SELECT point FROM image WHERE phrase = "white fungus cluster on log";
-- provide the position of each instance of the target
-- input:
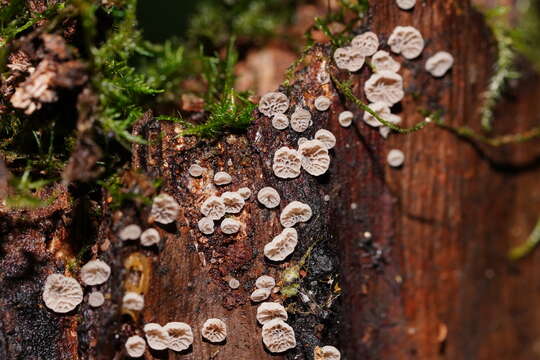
(222, 178)
(294, 213)
(326, 353)
(406, 4)
(395, 158)
(214, 330)
(407, 41)
(133, 301)
(282, 245)
(278, 336)
(62, 294)
(135, 346)
(264, 286)
(273, 103)
(95, 272)
(383, 61)
(287, 163)
(439, 64)
(164, 209)
(269, 197)
(300, 119)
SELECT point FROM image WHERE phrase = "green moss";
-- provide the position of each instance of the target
(23, 192)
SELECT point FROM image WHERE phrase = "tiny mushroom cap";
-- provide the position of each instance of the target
(234, 283)
(164, 209)
(406, 4)
(230, 226)
(156, 336)
(206, 225)
(269, 311)
(273, 103)
(380, 109)
(214, 330)
(407, 41)
(278, 336)
(287, 163)
(195, 170)
(133, 301)
(385, 130)
(349, 58)
(61, 294)
(260, 294)
(326, 137)
(384, 86)
(345, 118)
(326, 353)
(222, 178)
(395, 158)
(135, 346)
(300, 119)
(233, 201)
(294, 213)
(265, 282)
(130, 232)
(301, 139)
(150, 237)
(282, 245)
(382, 61)
(96, 299)
(244, 192)
(440, 63)
(180, 335)
(269, 197)
(322, 103)
(323, 77)
(280, 121)
(315, 158)
(367, 43)
(213, 207)
(95, 272)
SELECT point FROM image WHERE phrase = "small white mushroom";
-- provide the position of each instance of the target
(367, 43)
(300, 120)
(213, 207)
(195, 170)
(156, 336)
(244, 192)
(268, 311)
(164, 209)
(280, 121)
(61, 294)
(206, 225)
(326, 353)
(269, 197)
(135, 346)
(259, 295)
(326, 137)
(180, 336)
(233, 201)
(265, 282)
(273, 103)
(130, 232)
(294, 213)
(323, 77)
(380, 109)
(322, 103)
(382, 61)
(406, 4)
(440, 63)
(407, 41)
(234, 283)
(95, 272)
(230, 226)
(222, 178)
(301, 140)
(133, 301)
(345, 118)
(315, 158)
(384, 86)
(287, 163)
(385, 130)
(278, 336)
(96, 299)
(395, 158)
(282, 245)
(150, 237)
(349, 58)
(214, 330)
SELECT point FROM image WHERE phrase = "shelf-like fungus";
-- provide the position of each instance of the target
(61, 294)
(222, 178)
(367, 43)
(95, 272)
(345, 118)
(164, 209)
(196, 170)
(326, 353)
(349, 58)
(269, 197)
(180, 336)
(315, 158)
(268, 311)
(96, 299)
(384, 86)
(380, 109)
(206, 225)
(150, 237)
(300, 119)
(395, 158)
(244, 192)
(383, 61)
(287, 163)
(233, 201)
(273, 103)
(440, 63)
(406, 4)
(130, 232)
(135, 346)
(230, 226)
(214, 330)
(294, 213)
(326, 137)
(282, 245)
(280, 121)
(156, 336)
(234, 283)
(407, 41)
(259, 295)
(265, 282)
(322, 103)
(301, 140)
(133, 301)
(278, 336)
(213, 207)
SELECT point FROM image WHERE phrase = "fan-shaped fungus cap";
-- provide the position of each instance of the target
(395, 158)
(407, 41)
(326, 137)
(234, 283)
(164, 209)
(233, 201)
(345, 118)
(349, 58)
(180, 335)
(406, 4)
(206, 225)
(133, 301)
(269, 197)
(62, 294)
(278, 336)
(260, 295)
(222, 178)
(322, 103)
(150, 237)
(380, 109)
(230, 226)
(440, 63)
(273, 103)
(327, 353)
(96, 299)
(130, 232)
(269, 311)
(265, 282)
(367, 43)
(195, 170)
(95, 272)
(244, 192)
(315, 158)
(382, 61)
(135, 346)
(213, 207)
(300, 120)
(294, 213)
(287, 163)
(156, 336)
(384, 86)
(280, 121)
(282, 245)
(214, 330)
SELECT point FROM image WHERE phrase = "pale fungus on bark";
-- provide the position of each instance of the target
(384, 86)
(345, 118)
(326, 353)
(180, 335)
(273, 103)
(196, 170)
(323, 77)
(268, 311)
(96, 299)
(95, 272)
(259, 295)
(301, 140)
(213, 207)
(135, 346)
(287, 163)
(439, 64)
(385, 130)
(294, 213)
(367, 43)
(233, 201)
(133, 301)
(407, 41)
(164, 209)
(214, 330)
(395, 158)
(222, 178)
(265, 282)
(380, 109)
(300, 119)
(349, 58)
(156, 336)
(130, 232)
(406, 4)
(150, 237)
(234, 283)
(282, 245)
(383, 61)
(280, 121)
(278, 336)
(61, 294)
(322, 103)
(269, 197)
(315, 158)
(326, 137)
(244, 192)
(230, 226)
(206, 225)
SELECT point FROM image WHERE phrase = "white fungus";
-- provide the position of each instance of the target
(345, 118)
(265, 282)
(135, 346)
(407, 41)
(133, 301)
(440, 63)
(280, 121)
(96, 299)
(268, 311)
(323, 77)
(61, 294)
(278, 336)
(164, 209)
(244, 192)
(156, 336)
(150, 237)
(222, 178)
(130, 232)
(383, 61)
(301, 140)
(273, 103)
(294, 213)
(315, 158)
(385, 130)
(406, 4)
(326, 353)
(326, 137)
(214, 330)
(282, 245)
(287, 163)
(95, 272)
(230, 226)
(349, 58)
(384, 86)
(234, 283)
(233, 201)
(213, 207)
(395, 158)
(367, 43)
(259, 295)
(269, 197)
(300, 119)
(195, 170)
(322, 103)
(206, 225)
(180, 336)
(380, 109)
